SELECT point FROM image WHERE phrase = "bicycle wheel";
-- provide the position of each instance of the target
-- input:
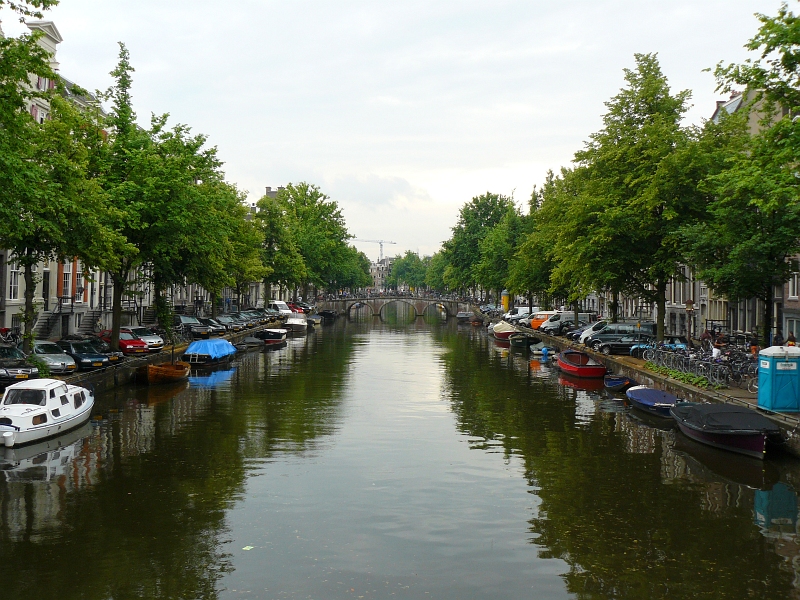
(752, 384)
(649, 354)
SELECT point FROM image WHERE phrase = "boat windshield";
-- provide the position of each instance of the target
(36, 397)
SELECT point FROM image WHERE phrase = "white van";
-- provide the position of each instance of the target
(281, 307)
(553, 324)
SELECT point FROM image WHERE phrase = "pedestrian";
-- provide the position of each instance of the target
(790, 341)
(777, 340)
(754, 347)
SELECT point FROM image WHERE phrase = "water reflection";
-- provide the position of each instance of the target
(627, 509)
(378, 458)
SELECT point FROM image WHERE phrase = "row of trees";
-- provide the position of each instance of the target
(136, 201)
(648, 196)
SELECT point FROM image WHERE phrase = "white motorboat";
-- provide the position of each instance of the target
(38, 409)
(296, 323)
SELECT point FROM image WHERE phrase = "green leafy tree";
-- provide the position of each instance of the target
(475, 220)
(320, 232)
(634, 195)
(409, 270)
(434, 274)
(28, 8)
(352, 272)
(279, 247)
(497, 251)
(245, 265)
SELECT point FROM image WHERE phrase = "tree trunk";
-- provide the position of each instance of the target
(28, 312)
(530, 304)
(661, 307)
(119, 279)
(614, 306)
(767, 329)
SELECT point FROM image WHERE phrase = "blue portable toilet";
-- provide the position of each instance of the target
(779, 378)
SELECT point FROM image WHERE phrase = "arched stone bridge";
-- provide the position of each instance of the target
(376, 304)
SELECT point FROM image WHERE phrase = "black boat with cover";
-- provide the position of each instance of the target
(727, 426)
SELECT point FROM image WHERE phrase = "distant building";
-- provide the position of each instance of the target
(380, 273)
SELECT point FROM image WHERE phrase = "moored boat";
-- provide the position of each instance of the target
(502, 330)
(166, 372)
(522, 340)
(617, 383)
(580, 364)
(463, 316)
(328, 315)
(296, 323)
(38, 409)
(209, 352)
(652, 401)
(271, 336)
(727, 426)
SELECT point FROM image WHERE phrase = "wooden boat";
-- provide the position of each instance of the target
(328, 315)
(502, 330)
(209, 352)
(652, 401)
(166, 372)
(618, 383)
(38, 409)
(727, 426)
(579, 364)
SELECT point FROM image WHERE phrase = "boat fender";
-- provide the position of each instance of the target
(8, 439)
(544, 353)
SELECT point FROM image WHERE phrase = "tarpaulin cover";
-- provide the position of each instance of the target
(723, 418)
(651, 397)
(214, 348)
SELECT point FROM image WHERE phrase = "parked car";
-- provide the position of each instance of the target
(623, 343)
(84, 354)
(307, 308)
(575, 334)
(217, 328)
(14, 367)
(155, 343)
(53, 356)
(190, 325)
(128, 343)
(614, 330)
(230, 323)
(593, 328)
(101, 346)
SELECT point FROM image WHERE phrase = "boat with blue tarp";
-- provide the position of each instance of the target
(209, 352)
(652, 401)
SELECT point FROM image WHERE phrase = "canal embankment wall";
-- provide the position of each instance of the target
(633, 368)
(125, 373)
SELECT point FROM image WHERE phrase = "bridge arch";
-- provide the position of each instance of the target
(390, 301)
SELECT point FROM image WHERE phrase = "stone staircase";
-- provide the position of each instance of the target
(88, 320)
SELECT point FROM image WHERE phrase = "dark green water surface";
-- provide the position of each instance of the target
(376, 460)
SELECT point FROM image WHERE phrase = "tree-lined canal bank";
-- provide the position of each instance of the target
(414, 461)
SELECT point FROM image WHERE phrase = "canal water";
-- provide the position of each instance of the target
(390, 459)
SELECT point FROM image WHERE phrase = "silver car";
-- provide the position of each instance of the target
(154, 342)
(54, 357)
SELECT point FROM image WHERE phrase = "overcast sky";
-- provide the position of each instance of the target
(400, 111)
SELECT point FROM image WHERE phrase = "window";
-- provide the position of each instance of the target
(13, 281)
(40, 419)
(56, 412)
(67, 280)
(794, 285)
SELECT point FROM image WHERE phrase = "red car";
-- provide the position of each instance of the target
(128, 343)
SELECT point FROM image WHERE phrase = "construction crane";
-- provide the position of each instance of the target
(381, 242)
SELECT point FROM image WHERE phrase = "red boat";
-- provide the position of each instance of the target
(580, 364)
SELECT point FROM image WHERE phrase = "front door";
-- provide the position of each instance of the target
(46, 290)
